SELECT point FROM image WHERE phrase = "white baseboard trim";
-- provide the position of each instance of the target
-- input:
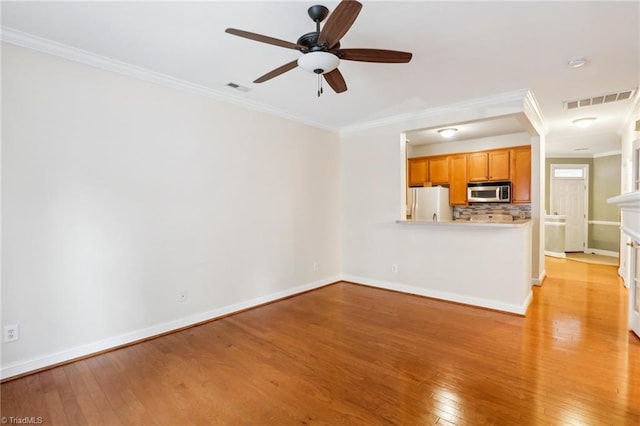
(622, 277)
(602, 252)
(33, 364)
(528, 301)
(443, 295)
(555, 254)
(538, 281)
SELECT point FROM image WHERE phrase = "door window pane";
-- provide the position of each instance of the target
(568, 173)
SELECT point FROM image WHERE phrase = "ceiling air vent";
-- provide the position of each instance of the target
(597, 100)
(238, 87)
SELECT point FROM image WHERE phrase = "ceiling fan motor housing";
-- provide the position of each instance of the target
(310, 41)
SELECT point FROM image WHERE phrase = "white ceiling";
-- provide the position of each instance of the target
(502, 125)
(461, 51)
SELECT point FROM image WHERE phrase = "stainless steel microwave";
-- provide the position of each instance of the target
(489, 192)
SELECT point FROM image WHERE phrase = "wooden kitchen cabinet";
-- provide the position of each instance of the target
(418, 172)
(488, 166)
(456, 170)
(521, 174)
(499, 165)
(478, 166)
(458, 180)
(439, 170)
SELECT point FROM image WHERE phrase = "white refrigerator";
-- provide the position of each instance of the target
(429, 204)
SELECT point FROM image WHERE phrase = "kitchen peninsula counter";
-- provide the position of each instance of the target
(515, 224)
(485, 264)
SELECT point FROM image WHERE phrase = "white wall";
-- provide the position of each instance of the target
(117, 194)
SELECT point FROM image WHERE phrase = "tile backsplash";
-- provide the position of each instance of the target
(465, 212)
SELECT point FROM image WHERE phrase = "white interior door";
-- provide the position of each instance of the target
(568, 197)
(634, 294)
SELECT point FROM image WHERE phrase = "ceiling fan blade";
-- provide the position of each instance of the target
(339, 22)
(375, 55)
(280, 70)
(264, 39)
(336, 81)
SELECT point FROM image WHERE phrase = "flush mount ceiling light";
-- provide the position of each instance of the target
(584, 122)
(319, 62)
(577, 62)
(448, 132)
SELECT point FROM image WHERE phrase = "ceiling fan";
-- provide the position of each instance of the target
(321, 52)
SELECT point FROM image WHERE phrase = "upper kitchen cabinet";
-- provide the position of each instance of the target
(499, 165)
(521, 174)
(457, 170)
(439, 170)
(458, 180)
(478, 166)
(488, 166)
(418, 172)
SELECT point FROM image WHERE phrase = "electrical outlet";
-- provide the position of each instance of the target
(394, 268)
(11, 333)
(316, 266)
(183, 296)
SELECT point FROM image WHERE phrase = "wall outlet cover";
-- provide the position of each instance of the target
(11, 333)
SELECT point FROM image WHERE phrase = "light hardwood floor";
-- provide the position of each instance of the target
(352, 355)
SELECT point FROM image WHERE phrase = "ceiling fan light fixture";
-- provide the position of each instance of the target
(321, 51)
(318, 62)
(448, 132)
(585, 122)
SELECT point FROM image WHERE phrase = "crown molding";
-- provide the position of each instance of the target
(582, 155)
(489, 101)
(607, 154)
(556, 155)
(533, 113)
(30, 41)
(632, 115)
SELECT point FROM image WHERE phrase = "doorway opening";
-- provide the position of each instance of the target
(569, 197)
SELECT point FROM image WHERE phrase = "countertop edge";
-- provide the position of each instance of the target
(464, 223)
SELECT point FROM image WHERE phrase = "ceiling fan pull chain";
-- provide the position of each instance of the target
(320, 85)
